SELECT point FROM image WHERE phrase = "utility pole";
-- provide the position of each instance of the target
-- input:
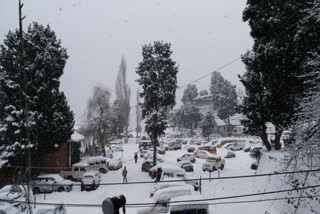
(25, 105)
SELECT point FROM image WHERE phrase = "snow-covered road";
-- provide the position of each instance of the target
(137, 193)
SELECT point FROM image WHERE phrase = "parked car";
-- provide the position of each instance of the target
(7, 208)
(201, 154)
(115, 164)
(90, 180)
(98, 163)
(186, 165)
(230, 155)
(235, 146)
(162, 198)
(146, 165)
(76, 172)
(187, 157)
(51, 183)
(173, 171)
(191, 149)
(177, 145)
(180, 205)
(213, 163)
(165, 184)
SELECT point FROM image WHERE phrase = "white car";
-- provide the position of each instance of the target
(166, 183)
(202, 154)
(51, 183)
(16, 194)
(187, 157)
(90, 180)
(115, 164)
(213, 163)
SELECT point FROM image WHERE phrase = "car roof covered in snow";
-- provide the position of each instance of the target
(81, 164)
(171, 192)
(91, 173)
(185, 200)
(55, 176)
(168, 167)
(214, 156)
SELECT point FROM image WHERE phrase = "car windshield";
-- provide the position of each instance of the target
(212, 159)
(88, 177)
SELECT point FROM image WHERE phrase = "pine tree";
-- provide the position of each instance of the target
(208, 125)
(138, 116)
(189, 94)
(158, 79)
(283, 39)
(50, 118)
(224, 95)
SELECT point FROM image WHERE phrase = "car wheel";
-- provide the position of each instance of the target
(222, 167)
(36, 190)
(61, 189)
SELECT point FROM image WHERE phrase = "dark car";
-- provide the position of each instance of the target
(186, 165)
(191, 149)
(146, 166)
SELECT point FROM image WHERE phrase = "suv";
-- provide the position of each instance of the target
(76, 171)
(213, 163)
(187, 157)
(90, 180)
(98, 163)
(51, 183)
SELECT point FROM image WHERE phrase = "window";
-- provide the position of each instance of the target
(82, 169)
(76, 168)
(170, 175)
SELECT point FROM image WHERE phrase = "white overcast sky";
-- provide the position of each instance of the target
(204, 34)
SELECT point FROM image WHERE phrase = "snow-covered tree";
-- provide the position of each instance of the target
(99, 117)
(50, 118)
(282, 43)
(189, 94)
(138, 115)
(224, 95)
(123, 96)
(158, 79)
(208, 125)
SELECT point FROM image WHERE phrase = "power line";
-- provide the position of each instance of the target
(192, 201)
(195, 179)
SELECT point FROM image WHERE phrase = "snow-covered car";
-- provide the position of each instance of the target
(90, 180)
(98, 163)
(7, 208)
(76, 171)
(230, 155)
(182, 205)
(186, 157)
(165, 184)
(15, 195)
(115, 164)
(202, 154)
(186, 165)
(235, 146)
(51, 183)
(162, 197)
(117, 149)
(213, 163)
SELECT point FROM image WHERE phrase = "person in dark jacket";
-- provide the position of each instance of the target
(159, 172)
(113, 205)
(135, 157)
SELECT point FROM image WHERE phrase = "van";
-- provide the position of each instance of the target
(184, 207)
(98, 163)
(162, 197)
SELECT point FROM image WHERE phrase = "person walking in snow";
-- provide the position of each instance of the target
(135, 157)
(159, 172)
(124, 175)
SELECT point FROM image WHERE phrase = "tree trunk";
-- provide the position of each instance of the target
(264, 138)
(277, 144)
(155, 142)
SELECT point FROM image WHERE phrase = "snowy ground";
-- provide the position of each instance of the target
(140, 192)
